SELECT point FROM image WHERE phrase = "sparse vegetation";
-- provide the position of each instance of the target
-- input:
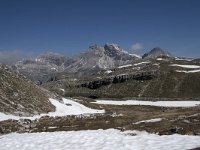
(21, 97)
(169, 84)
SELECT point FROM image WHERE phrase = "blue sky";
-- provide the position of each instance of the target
(70, 26)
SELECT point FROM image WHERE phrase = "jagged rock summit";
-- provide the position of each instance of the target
(157, 52)
(101, 57)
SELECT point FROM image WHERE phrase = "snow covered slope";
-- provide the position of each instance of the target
(68, 107)
(110, 139)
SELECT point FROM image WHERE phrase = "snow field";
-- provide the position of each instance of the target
(151, 103)
(137, 64)
(159, 59)
(110, 139)
(68, 107)
(124, 66)
(191, 71)
(197, 68)
(186, 66)
(145, 62)
(185, 59)
(108, 71)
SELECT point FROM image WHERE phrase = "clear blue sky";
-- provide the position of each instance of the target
(70, 26)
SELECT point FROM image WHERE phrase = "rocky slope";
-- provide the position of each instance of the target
(19, 96)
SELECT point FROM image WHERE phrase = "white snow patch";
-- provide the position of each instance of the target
(68, 107)
(52, 127)
(135, 55)
(37, 60)
(156, 64)
(110, 139)
(62, 89)
(151, 103)
(150, 120)
(74, 79)
(186, 66)
(108, 71)
(53, 68)
(124, 66)
(136, 68)
(191, 71)
(145, 62)
(159, 59)
(185, 59)
(116, 46)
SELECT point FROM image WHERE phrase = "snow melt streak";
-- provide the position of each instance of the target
(97, 139)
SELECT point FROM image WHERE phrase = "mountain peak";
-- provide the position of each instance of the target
(157, 52)
(156, 49)
(51, 57)
(112, 46)
(50, 54)
(94, 47)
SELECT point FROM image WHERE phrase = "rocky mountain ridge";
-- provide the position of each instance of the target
(101, 58)
(46, 65)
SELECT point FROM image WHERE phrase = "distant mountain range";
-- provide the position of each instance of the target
(96, 58)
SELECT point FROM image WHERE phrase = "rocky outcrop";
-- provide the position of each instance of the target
(149, 75)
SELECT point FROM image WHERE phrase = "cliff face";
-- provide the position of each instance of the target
(140, 76)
